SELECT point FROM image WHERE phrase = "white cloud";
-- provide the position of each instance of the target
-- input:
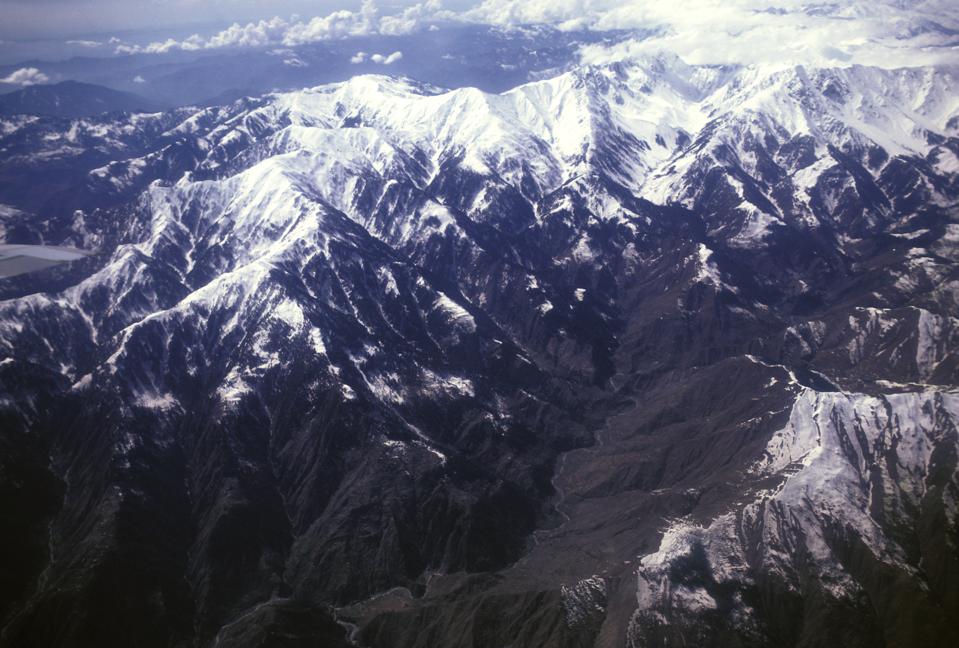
(381, 59)
(139, 79)
(279, 31)
(25, 77)
(339, 24)
(85, 43)
(411, 18)
(387, 60)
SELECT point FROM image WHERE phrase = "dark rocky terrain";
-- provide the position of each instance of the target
(639, 355)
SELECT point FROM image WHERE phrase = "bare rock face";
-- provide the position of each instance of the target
(640, 355)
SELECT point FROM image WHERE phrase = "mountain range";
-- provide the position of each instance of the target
(643, 353)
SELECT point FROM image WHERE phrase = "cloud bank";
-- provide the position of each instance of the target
(887, 33)
(872, 32)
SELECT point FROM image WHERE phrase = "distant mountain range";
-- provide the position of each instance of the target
(72, 99)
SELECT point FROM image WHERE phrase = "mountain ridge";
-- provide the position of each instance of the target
(72, 99)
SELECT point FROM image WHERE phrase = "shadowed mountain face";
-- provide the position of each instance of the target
(644, 354)
(71, 99)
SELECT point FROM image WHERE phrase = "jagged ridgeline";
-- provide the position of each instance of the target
(644, 354)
